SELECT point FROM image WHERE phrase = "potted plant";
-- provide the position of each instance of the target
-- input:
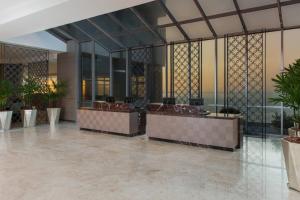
(6, 90)
(287, 87)
(54, 92)
(28, 89)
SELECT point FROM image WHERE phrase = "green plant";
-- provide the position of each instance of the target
(28, 89)
(6, 91)
(287, 87)
(54, 91)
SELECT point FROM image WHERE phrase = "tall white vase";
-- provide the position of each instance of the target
(292, 163)
(5, 120)
(29, 118)
(53, 115)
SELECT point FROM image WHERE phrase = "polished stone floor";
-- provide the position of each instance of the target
(68, 164)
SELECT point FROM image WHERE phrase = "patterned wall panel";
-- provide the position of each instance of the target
(196, 70)
(186, 71)
(255, 83)
(18, 63)
(181, 72)
(245, 79)
(237, 73)
(140, 60)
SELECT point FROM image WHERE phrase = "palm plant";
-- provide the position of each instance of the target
(54, 92)
(28, 89)
(287, 87)
(6, 90)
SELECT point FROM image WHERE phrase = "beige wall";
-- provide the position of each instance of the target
(67, 70)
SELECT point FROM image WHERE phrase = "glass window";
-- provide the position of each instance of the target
(97, 35)
(76, 33)
(119, 73)
(208, 75)
(128, 19)
(86, 72)
(102, 84)
(155, 76)
(291, 53)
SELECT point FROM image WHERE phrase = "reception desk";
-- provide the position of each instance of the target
(110, 118)
(213, 130)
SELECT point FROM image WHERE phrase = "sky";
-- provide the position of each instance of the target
(41, 39)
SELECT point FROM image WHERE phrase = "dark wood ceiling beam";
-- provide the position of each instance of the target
(221, 36)
(64, 33)
(147, 25)
(90, 36)
(57, 35)
(231, 13)
(205, 18)
(238, 10)
(119, 23)
(280, 14)
(173, 19)
(101, 30)
(216, 16)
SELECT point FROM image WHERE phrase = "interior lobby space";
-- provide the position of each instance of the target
(150, 99)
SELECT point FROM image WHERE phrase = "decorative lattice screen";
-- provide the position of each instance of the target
(245, 79)
(186, 71)
(237, 73)
(255, 83)
(140, 60)
(18, 63)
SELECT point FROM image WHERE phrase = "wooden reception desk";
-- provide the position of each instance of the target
(109, 118)
(214, 130)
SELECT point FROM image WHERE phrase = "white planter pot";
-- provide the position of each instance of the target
(5, 120)
(53, 115)
(29, 118)
(292, 162)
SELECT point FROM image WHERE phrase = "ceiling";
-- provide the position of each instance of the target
(165, 21)
(20, 17)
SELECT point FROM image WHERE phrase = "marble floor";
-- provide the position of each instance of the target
(68, 164)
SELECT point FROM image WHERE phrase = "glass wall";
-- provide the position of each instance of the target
(102, 83)
(156, 78)
(119, 75)
(86, 50)
(208, 60)
(273, 64)
(291, 54)
(147, 75)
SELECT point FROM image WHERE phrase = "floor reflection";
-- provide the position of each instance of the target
(65, 163)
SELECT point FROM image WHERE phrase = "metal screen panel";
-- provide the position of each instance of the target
(186, 72)
(237, 73)
(181, 72)
(245, 80)
(18, 63)
(255, 83)
(140, 60)
(196, 70)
